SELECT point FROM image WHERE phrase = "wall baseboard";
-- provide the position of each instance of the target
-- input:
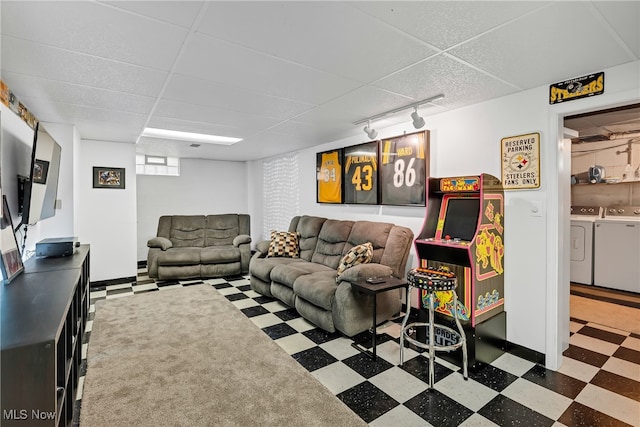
(103, 283)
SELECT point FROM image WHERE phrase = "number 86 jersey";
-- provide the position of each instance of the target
(403, 170)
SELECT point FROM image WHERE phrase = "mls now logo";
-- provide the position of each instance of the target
(23, 414)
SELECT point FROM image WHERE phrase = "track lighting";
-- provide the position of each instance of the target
(418, 121)
(371, 133)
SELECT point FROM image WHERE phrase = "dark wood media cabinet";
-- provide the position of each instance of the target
(43, 317)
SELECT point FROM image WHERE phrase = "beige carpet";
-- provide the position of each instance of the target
(188, 357)
(604, 313)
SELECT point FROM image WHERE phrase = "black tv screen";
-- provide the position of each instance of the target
(461, 218)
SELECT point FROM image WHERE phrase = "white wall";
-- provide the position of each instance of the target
(467, 141)
(17, 143)
(203, 187)
(17, 140)
(106, 218)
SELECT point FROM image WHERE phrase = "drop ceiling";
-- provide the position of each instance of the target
(289, 75)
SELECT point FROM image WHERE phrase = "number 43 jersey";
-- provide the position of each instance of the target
(361, 174)
(403, 170)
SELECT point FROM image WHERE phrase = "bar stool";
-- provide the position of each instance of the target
(433, 281)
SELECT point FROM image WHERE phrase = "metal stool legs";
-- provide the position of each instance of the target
(431, 345)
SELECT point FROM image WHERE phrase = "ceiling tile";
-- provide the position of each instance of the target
(354, 45)
(269, 144)
(69, 93)
(222, 62)
(357, 105)
(23, 57)
(623, 16)
(53, 111)
(460, 84)
(96, 29)
(182, 13)
(213, 116)
(92, 123)
(543, 48)
(210, 94)
(445, 24)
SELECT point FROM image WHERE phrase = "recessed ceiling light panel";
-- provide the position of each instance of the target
(189, 136)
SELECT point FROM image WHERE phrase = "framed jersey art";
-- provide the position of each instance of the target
(361, 174)
(404, 167)
(329, 176)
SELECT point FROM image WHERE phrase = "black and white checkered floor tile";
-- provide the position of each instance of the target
(597, 385)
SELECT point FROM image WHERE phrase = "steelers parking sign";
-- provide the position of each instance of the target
(521, 161)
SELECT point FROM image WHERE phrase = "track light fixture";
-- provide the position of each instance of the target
(371, 133)
(418, 121)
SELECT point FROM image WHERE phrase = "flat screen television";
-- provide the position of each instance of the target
(461, 218)
(41, 190)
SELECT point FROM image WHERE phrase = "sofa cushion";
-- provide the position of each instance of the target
(284, 244)
(181, 256)
(309, 228)
(219, 254)
(220, 230)
(287, 274)
(187, 231)
(331, 241)
(317, 288)
(368, 231)
(360, 254)
(261, 267)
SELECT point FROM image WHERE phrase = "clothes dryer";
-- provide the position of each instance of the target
(617, 249)
(582, 225)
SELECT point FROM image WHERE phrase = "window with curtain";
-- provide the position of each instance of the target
(280, 193)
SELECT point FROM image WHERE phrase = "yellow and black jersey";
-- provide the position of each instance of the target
(403, 170)
(361, 174)
(329, 176)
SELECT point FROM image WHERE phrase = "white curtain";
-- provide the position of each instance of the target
(281, 190)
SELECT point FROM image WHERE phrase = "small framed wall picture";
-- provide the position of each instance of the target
(329, 176)
(40, 171)
(106, 177)
(11, 258)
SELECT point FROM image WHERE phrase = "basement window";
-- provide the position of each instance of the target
(157, 165)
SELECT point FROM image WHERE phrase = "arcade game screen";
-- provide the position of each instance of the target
(461, 218)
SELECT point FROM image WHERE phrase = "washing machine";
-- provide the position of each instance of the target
(617, 249)
(582, 226)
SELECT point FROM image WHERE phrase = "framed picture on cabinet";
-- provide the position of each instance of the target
(329, 186)
(361, 174)
(11, 258)
(404, 168)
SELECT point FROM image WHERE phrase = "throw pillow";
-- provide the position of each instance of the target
(284, 244)
(360, 254)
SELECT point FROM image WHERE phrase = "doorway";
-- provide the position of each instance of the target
(605, 172)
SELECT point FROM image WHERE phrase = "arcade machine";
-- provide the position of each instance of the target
(464, 231)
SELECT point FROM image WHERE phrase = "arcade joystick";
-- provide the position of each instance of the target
(447, 237)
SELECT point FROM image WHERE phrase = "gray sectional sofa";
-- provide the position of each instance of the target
(200, 246)
(310, 283)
